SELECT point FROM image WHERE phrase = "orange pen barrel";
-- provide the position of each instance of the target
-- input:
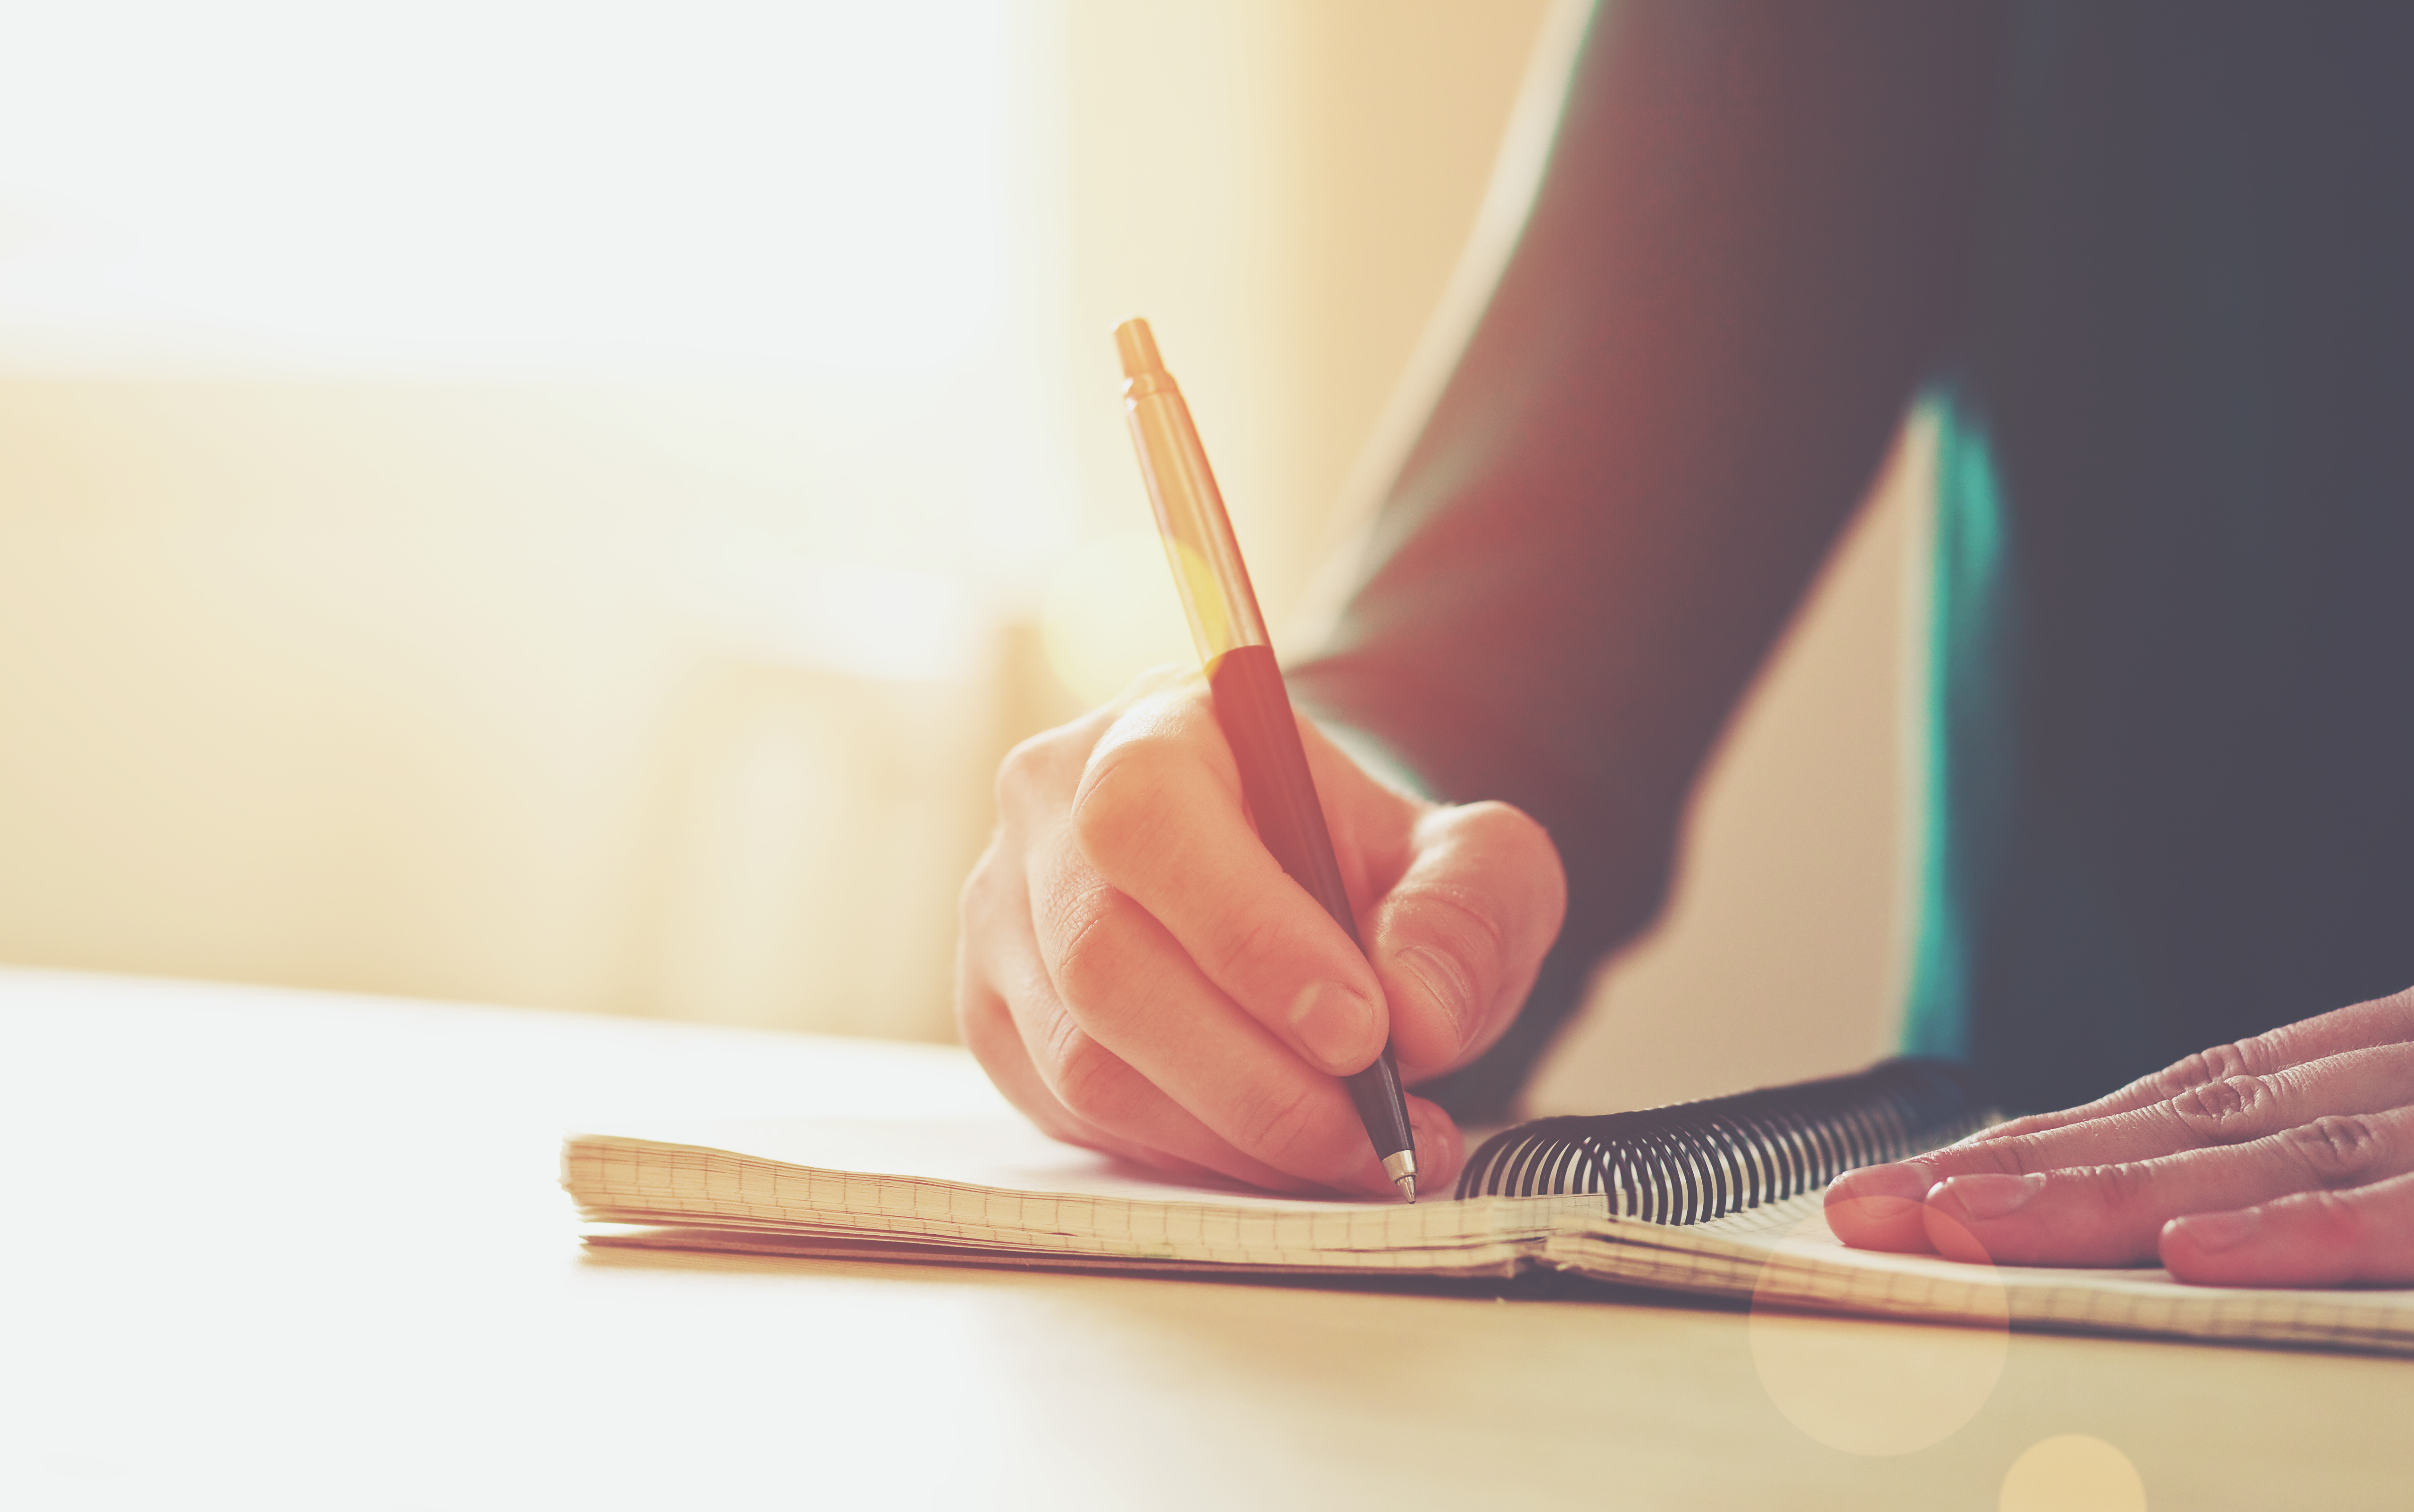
(1190, 518)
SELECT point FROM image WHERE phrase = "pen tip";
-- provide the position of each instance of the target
(1408, 1185)
(1137, 347)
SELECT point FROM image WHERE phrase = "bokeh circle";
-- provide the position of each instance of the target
(1868, 1387)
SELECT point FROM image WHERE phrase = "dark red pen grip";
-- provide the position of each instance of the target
(1254, 709)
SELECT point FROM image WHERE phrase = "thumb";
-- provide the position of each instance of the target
(1458, 939)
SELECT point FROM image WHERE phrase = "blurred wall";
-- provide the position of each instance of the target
(1284, 190)
(682, 696)
(503, 694)
(1784, 947)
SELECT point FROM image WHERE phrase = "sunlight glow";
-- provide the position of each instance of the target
(1110, 612)
(506, 187)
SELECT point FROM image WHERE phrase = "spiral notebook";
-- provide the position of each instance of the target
(1719, 1199)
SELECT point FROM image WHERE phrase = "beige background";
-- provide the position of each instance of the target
(501, 691)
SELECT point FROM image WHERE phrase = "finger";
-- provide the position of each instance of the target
(1882, 1207)
(2113, 1215)
(2231, 1111)
(1015, 1024)
(1159, 815)
(989, 1033)
(1136, 995)
(1457, 940)
(2364, 1236)
(1079, 1089)
(2380, 1021)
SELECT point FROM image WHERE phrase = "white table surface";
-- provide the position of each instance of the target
(269, 1249)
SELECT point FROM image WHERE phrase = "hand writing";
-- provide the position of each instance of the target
(2287, 1159)
(1137, 975)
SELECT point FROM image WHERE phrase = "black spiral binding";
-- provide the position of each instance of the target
(1690, 1162)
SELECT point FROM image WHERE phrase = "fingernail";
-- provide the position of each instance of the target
(1907, 1180)
(1879, 1207)
(1994, 1197)
(2209, 1232)
(1335, 1025)
(1443, 982)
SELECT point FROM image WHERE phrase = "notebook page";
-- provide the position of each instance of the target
(1785, 1254)
(1497, 1262)
(1002, 1186)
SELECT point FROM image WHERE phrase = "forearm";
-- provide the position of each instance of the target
(1750, 248)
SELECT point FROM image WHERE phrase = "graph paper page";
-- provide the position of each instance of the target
(1784, 1254)
(1002, 1186)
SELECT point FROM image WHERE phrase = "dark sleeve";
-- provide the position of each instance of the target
(1750, 247)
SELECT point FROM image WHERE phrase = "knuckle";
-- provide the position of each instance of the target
(2178, 1076)
(1019, 772)
(2224, 1061)
(1532, 853)
(1118, 810)
(2124, 1184)
(1097, 958)
(974, 898)
(1509, 841)
(2226, 1111)
(1509, 826)
(1460, 922)
(1278, 1127)
(2204, 1066)
(1253, 938)
(1092, 1082)
(1046, 764)
(2336, 1149)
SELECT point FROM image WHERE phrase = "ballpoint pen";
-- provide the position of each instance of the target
(1251, 704)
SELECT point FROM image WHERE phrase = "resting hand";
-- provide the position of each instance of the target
(2287, 1159)
(1137, 975)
